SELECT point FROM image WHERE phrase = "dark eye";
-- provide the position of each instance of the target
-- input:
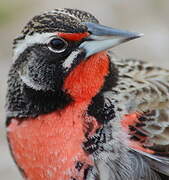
(57, 45)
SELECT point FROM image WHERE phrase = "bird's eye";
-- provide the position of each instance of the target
(57, 45)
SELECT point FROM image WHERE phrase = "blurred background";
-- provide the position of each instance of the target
(146, 16)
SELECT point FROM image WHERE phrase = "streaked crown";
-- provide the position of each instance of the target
(61, 20)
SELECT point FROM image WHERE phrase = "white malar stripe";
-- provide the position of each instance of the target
(29, 40)
(70, 59)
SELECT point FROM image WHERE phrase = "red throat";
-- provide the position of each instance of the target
(49, 146)
(86, 80)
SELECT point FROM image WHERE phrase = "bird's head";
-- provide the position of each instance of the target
(54, 43)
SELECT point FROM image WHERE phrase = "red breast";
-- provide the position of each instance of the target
(49, 146)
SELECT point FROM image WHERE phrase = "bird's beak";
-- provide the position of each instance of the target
(103, 38)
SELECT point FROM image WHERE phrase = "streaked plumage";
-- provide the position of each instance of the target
(78, 112)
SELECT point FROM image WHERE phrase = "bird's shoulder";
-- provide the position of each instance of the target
(140, 86)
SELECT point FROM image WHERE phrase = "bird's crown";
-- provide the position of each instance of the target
(59, 20)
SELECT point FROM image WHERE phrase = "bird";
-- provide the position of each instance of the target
(75, 111)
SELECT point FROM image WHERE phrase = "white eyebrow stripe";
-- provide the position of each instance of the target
(29, 40)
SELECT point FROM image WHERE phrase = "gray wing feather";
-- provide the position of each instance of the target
(126, 166)
(159, 163)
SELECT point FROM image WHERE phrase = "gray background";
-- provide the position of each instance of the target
(150, 17)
